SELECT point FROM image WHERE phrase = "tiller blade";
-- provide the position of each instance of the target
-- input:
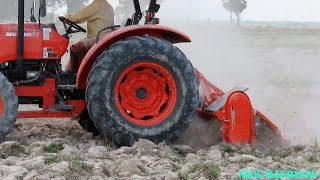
(240, 123)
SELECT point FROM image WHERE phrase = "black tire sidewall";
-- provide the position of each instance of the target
(87, 124)
(9, 106)
(115, 63)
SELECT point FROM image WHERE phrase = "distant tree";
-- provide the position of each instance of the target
(236, 7)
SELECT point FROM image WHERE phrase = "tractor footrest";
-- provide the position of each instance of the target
(62, 107)
(67, 87)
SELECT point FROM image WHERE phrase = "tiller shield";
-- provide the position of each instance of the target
(240, 123)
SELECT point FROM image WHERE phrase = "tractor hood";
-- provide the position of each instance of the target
(39, 43)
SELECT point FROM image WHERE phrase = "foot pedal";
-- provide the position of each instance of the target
(62, 107)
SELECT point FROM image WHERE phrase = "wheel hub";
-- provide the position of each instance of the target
(145, 94)
(141, 93)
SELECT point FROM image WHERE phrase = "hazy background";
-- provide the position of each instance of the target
(275, 52)
(257, 10)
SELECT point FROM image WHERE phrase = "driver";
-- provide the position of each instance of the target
(99, 14)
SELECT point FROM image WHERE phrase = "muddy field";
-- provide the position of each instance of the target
(279, 65)
(50, 149)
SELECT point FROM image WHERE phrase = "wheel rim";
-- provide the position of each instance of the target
(146, 94)
(1, 107)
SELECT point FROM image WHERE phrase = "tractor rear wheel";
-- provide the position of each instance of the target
(8, 106)
(142, 87)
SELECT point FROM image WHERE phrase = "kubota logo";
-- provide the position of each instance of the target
(26, 34)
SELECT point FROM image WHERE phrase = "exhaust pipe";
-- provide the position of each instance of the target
(20, 34)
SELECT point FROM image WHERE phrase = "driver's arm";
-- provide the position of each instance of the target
(86, 14)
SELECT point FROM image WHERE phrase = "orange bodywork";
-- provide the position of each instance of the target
(48, 92)
(41, 42)
(161, 32)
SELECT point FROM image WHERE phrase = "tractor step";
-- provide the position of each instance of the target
(64, 111)
(67, 87)
(62, 107)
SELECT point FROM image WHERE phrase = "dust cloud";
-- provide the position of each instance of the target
(278, 64)
(277, 61)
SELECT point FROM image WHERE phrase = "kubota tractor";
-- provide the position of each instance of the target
(134, 83)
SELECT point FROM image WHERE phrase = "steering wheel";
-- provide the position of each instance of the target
(69, 26)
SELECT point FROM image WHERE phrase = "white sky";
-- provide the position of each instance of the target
(259, 10)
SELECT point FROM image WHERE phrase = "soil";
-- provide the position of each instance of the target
(60, 149)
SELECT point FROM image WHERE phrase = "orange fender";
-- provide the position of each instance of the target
(162, 32)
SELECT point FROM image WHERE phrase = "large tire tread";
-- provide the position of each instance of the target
(115, 57)
(10, 106)
(87, 124)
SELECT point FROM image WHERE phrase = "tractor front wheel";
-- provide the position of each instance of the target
(142, 87)
(8, 106)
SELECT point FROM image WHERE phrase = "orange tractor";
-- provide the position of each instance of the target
(134, 83)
